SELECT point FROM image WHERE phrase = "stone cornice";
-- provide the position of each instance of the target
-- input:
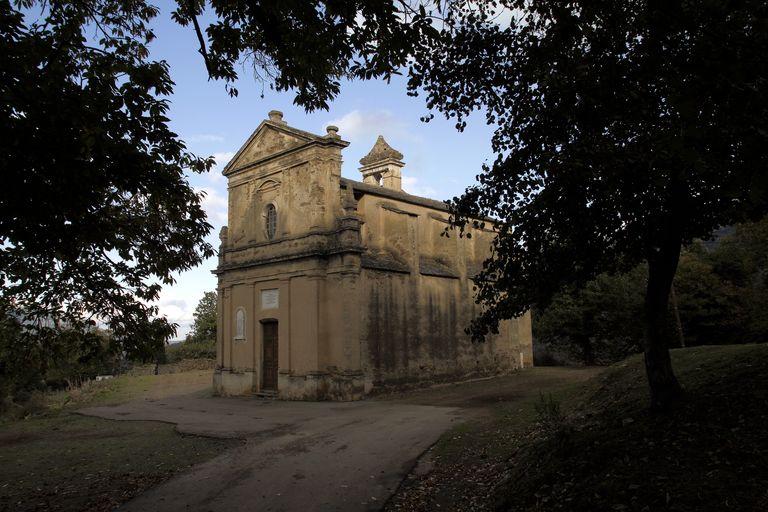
(309, 234)
(312, 253)
(376, 190)
(323, 142)
(344, 239)
(393, 194)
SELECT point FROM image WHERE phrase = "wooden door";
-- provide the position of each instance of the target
(269, 361)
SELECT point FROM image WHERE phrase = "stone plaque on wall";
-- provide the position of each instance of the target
(270, 299)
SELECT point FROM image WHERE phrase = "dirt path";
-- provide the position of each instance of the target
(298, 456)
(317, 456)
(484, 393)
(460, 471)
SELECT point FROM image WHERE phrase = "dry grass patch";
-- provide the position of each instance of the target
(55, 459)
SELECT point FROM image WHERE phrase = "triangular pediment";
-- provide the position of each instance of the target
(268, 139)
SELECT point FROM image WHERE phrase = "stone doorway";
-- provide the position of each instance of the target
(269, 359)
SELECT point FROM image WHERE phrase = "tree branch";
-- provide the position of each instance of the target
(202, 50)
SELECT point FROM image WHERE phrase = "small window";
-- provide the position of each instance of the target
(240, 324)
(271, 220)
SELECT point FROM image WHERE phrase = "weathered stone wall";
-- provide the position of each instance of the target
(417, 299)
(306, 266)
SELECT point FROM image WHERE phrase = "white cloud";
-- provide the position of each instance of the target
(362, 126)
(222, 158)
(215, 206)
(176, 309)
(177, 302)
(205, 137)
(180, 303)
(412, 185)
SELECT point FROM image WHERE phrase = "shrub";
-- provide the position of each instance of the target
(552, 421)
(190, 350)
(36, 357)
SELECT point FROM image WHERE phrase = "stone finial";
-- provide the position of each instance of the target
(381, 151)
(276, 116)
(333, 131)
(224, 237)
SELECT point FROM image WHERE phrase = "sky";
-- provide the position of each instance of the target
(439, 161)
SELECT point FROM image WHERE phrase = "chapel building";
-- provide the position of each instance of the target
(331, 288)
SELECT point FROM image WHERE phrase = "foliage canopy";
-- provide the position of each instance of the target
(624, 130)
(308, 46)
(204, 326)
(96, 211)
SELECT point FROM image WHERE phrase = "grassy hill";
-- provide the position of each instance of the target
(595, 447)
(611, 454)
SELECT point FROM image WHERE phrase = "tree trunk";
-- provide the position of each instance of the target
(587, 354)
(678, 322)
(660, 328)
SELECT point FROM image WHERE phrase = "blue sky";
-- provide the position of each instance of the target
(440, 162)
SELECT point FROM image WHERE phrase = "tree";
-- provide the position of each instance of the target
(204, 327)
(308, 46)
(721, 293)
(624, 130)
(597, 324)
(34, 358)
(711, 307)
(740, 260)
(95, 209)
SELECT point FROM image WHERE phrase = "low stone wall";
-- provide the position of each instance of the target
(185, 365)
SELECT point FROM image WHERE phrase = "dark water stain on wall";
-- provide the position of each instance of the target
(415, 330)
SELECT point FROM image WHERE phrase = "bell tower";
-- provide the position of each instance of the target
(382, 166)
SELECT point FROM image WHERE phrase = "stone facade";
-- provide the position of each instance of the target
(330, 288)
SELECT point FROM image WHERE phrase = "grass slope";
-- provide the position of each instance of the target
(126, 388)
(460, 472)
(611, 454)
(571, 446)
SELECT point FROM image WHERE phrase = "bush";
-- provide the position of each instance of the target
(190, 350)
(598, 324)
(721, 292)
(21, 368)
(34, 358)
(552, 421)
